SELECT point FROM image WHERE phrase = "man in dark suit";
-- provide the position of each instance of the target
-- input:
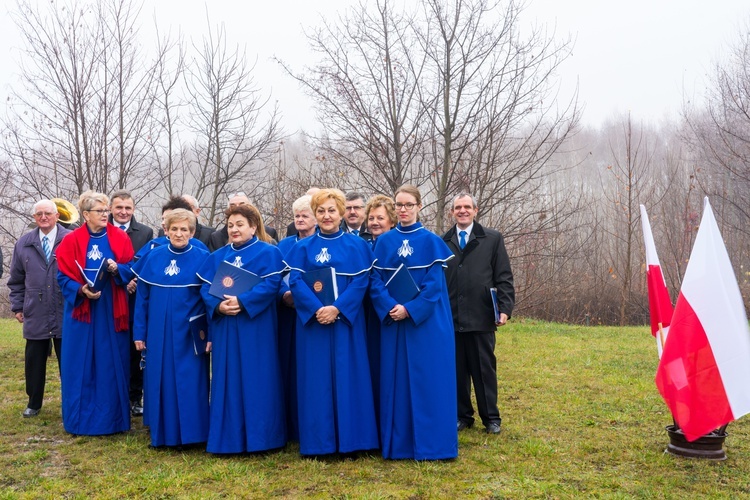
(220, 237)
(122, 206)
(202, 233)
(354, 216)
(36, 300)
(481, 263)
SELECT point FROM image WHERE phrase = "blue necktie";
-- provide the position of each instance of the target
(355, 232)
(122, 227)
(46, 248)
(462, 239)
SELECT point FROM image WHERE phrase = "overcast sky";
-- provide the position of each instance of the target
(639, 56)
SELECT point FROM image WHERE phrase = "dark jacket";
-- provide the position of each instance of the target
(202, 233)
(220, 237)
(482, 264)
(364, 233)
(139, 234)
(33, 287)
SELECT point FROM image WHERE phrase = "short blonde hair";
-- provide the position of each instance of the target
(329, 194)
(178, 215)
(89, 198)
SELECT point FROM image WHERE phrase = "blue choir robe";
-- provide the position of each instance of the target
(373, 347)
(95, 360)
(175, 388)
(247, 399)
(287, 317)
(418, 407)
(336, 411)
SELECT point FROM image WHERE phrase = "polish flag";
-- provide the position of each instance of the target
(659, 302)
(704, 372)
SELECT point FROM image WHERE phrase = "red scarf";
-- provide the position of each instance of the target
(73, 248)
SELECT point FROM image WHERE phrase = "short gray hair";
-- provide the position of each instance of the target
(464, 195)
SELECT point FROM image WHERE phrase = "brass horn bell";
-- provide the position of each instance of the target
(68, 212)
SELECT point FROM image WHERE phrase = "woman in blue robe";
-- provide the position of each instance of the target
(417, 368)
(304, 223)
(336, 412)
(175, 396)
(95, 364)
(247, 398)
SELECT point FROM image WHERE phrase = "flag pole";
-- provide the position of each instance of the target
(661, 335)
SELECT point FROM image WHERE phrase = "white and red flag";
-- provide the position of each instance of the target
(704, 371)
(659, 302)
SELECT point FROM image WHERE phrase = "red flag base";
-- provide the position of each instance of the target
(709, 447)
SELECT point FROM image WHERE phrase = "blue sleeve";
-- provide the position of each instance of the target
(261, 296)
(140, 317)
(381, 299)
(349, 302)
(69, 288)
(433, 287)
(305, 300)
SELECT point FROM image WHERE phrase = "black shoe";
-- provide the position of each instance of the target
(136, 409)
(30, 412)
(493, 428)
(461, 425)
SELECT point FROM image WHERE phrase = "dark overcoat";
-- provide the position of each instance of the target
(481, 265)
(33, 286)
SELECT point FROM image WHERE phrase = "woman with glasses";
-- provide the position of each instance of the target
(176, 369)
(336, 412)
(247, 405)
(96, 352)
(417, 357)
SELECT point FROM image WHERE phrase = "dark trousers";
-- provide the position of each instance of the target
(136, 374)
(35, 361)
(475, 361)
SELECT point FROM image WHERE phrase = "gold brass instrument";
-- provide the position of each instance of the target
(68, 212)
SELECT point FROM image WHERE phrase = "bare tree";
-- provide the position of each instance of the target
(367, 90)
(83, 114)
(234, 136)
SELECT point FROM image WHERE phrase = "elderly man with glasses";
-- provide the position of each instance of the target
(36, 300)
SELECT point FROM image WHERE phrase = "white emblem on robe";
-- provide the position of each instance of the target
(323, 256)
(405, 249)
(237, 261)
(94, 254)
(172, 269)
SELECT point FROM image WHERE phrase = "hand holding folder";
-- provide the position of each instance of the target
(199, 332)
(101, 278)
(232, 280)
(323, 284)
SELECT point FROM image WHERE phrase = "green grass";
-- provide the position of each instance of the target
(581, 417)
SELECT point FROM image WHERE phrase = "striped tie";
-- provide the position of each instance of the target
(46, 248)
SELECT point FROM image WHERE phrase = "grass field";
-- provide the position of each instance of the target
(581, 417)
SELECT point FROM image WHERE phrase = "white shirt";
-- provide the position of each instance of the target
(468, 231)
(50, 236)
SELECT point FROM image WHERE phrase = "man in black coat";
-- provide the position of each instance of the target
(220, 237)
(36, 299)
(122, 206)
(481, 263)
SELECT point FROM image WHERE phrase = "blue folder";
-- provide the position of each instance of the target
(323, 284)
(232, 280)
(199, 332)
(493, 296)
(101, 278)
(401, 285)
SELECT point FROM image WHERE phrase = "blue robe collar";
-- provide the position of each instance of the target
(331, 236)
(409, 229)
(252, 241)
(184, 249)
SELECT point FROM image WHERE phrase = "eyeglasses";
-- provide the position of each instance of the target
(100, 211)
(44, 214)
(407, 206)
(355, 207)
